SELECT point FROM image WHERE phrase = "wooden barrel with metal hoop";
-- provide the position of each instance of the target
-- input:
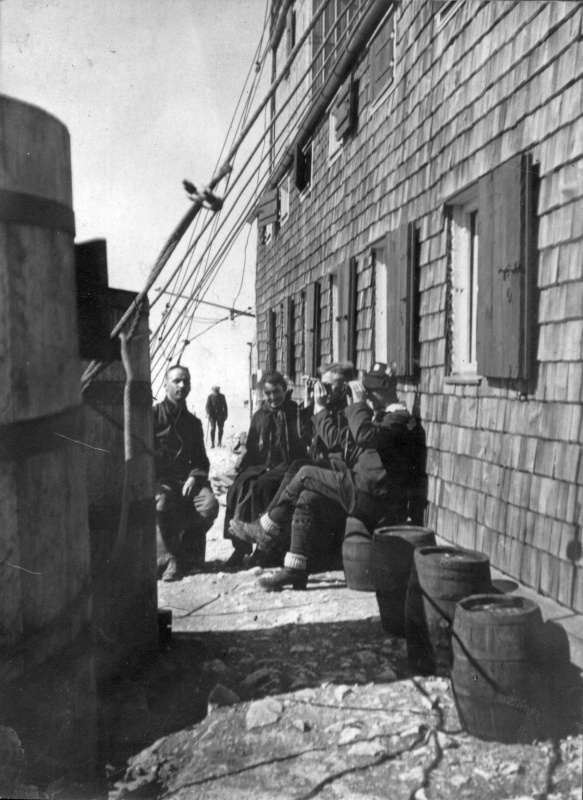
(498, 667)
(47, 668)
(392, 560)
(440, 577)
(123, 559)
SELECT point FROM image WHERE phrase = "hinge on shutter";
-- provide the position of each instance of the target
(515, 266)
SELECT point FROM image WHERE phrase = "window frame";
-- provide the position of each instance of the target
(464, 296)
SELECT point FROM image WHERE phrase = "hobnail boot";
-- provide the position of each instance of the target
(246, 531)
(297, 578)
(172, 572)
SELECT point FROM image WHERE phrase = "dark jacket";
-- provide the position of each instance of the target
(216, 407)
(392, 436)
(276, 436)
(179, 450)
(362, 459)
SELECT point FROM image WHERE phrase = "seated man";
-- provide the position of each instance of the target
(277, 436)
(185, 505)
(361, 485)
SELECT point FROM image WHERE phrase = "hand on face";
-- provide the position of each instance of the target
(320, 395)
(358, 391)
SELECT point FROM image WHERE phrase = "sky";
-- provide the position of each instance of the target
(147, 89)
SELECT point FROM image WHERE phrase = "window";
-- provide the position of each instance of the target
(382, 58)
(303, 166)
(330, 32)
(464, 287)
(334, 317)
(492, 273)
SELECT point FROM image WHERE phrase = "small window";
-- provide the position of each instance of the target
(382, 58)
(464, 287)
(303, 167)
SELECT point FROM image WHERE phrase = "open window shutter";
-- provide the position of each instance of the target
(345, 108)
(401, 277)
(381, 58)
(505, 221)
(347, 311)
(271, 339)
(288, 337)
(267, 209)
(289, 30)
(312, 306)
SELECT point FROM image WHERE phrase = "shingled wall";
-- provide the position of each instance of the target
(497, 79)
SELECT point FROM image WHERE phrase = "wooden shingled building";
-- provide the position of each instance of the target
(424, 207)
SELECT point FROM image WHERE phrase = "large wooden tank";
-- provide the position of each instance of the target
(47, 665)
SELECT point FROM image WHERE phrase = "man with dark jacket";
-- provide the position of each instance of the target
(185, 505)
(278, 435)
(217, 412)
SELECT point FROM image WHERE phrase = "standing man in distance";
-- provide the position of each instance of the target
(185, 505)
(217, 412)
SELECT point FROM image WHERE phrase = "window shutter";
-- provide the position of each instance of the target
(267, 209)
(381, 58)
(288, 337)
(401, 292)
(345, 108)
(311, 333)
(271, 339)
(347, 311)
(290, 30)
(505, 251)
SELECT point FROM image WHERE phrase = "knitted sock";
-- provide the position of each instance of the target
(268, 525)
(294, 561)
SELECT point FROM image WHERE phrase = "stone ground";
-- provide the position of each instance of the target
(303, 695)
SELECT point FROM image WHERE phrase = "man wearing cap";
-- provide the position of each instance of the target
(217, 412)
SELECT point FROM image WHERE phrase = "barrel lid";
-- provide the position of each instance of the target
(451, 556)
(497, 603)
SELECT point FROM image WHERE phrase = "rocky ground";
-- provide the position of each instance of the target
(303, 695)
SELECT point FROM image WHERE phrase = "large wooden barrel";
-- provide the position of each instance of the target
(497, 674)
(441, 576)
(357, 556)
(392, 559)
(47, 667)
(124, 577)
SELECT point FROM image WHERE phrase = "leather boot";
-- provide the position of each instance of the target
(297, 578)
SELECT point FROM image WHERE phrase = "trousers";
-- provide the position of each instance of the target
(214, 424)
(182, 522)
